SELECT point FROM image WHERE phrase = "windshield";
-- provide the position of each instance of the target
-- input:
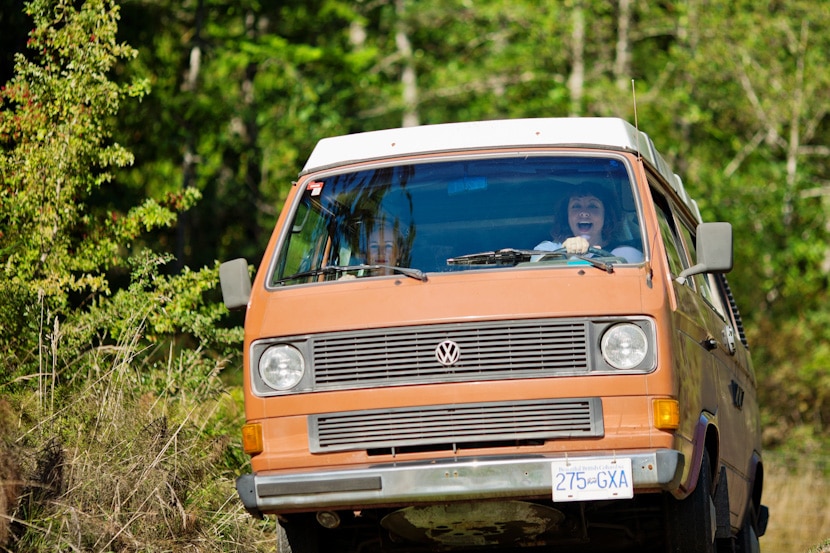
(462, 215)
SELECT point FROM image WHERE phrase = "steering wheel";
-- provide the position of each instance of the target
(599, 252)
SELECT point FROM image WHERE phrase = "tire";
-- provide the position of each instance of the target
(297, 535)
(747, 539)
(282, 540)
(690, 523)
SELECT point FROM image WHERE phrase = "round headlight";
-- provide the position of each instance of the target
(281, 367)
(624, 346)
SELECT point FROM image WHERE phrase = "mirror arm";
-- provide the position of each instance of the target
(691, 271)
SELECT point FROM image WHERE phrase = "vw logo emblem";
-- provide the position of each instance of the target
(447, 353)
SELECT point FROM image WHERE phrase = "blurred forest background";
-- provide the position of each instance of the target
(143, 141)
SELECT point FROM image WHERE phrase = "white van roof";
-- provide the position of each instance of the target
(593, 132)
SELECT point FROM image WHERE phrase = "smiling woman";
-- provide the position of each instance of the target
(588, 217)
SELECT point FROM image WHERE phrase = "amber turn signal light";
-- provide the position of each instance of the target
(252, 438)
(666, 414)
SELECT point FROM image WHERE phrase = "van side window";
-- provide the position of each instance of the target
(309, 245)
(703, 282)
(738, 323)
(668, 231)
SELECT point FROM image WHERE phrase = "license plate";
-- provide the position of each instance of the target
(589, 480)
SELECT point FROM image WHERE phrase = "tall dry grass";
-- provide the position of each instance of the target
(797, 492)
(134, 456)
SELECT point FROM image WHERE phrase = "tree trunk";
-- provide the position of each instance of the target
(189, 86)
(622, 63)
(409, 82)
(794, 140)
(576, 80)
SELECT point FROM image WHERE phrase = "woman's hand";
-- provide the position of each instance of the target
(576, 245)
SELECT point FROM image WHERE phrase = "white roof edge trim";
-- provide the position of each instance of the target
(599, 132)
(604, 132)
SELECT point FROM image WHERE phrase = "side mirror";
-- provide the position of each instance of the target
(236, 283)
(714, 250)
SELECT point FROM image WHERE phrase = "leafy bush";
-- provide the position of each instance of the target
(57, 154)
(116, 429)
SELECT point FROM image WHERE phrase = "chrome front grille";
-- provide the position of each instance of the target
(496, 350)
(448, 426)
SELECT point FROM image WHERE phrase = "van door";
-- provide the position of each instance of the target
(693, 365)
(732, 381)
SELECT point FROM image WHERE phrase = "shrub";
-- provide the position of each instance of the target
(116, 431)
(137, 456)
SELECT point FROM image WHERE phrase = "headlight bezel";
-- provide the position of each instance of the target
(266, 351)
(642, 330)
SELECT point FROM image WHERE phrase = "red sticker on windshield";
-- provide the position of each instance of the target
(316, 187)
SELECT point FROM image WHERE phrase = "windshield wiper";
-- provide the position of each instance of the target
(506, 256)
(511, 256)
(335, 269)
(607, 267)
(417, 274)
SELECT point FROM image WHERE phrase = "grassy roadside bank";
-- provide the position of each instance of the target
(797, 492)
(136, 459)
(122, 468)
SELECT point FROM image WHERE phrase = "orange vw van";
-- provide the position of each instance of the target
(497, 335)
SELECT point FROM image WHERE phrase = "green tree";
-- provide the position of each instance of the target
(734, 94)
(112, 413)
(57, 160)
(54, 133)
(759, 161)
(241, 92)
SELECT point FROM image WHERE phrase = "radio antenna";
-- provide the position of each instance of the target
(636, 123)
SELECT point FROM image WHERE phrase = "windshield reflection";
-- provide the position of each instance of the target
(427, 216)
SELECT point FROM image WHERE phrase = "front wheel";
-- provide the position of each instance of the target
(691, 522)
(298, 535)
(302, 533)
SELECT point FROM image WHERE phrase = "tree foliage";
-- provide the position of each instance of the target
(57, 151)
(103, 182)
(88, 364)
(59, 242)
(735, 94)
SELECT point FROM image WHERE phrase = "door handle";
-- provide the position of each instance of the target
(729, 339)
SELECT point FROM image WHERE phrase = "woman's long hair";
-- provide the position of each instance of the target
(561, 228)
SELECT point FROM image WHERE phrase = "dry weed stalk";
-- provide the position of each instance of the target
(10, 479)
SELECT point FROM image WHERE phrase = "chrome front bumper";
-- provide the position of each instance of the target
(437, 481)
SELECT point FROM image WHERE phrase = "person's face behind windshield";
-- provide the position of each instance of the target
(382, 245)
(586, 217)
